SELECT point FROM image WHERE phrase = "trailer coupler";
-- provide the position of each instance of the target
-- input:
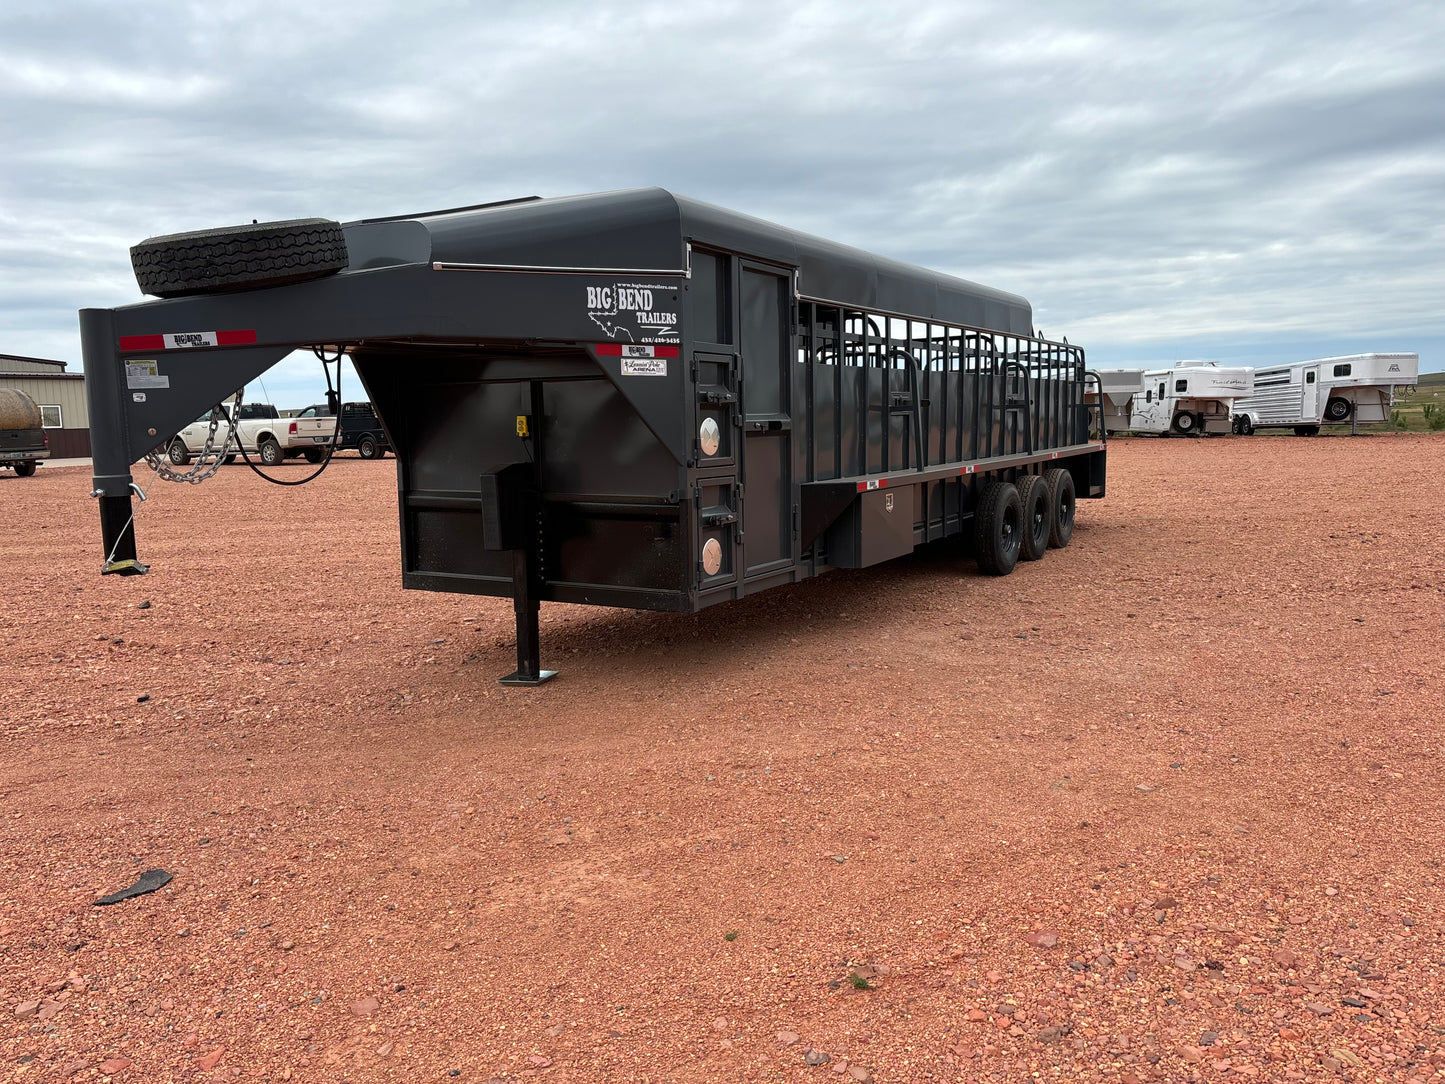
(117, 532)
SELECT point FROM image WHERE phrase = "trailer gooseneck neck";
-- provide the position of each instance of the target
(628, 399)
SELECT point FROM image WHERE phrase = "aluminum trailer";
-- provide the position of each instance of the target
(1326, 391)
(628, 399)
(1192, 398)
(1115, 390)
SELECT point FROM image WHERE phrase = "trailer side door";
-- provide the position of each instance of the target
(1310, 401)
(764, 298)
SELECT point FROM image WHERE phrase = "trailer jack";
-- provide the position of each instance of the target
(510, 521)
(117, 532)
(528, 610)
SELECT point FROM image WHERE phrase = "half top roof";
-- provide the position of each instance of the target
(649, 229)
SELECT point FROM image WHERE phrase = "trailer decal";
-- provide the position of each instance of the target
(144, 374)
(608, 305)
(634, 350)
(184, 340)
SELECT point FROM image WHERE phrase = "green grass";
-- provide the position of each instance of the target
(1411, 407)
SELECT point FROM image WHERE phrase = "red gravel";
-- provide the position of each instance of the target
(1164, 806)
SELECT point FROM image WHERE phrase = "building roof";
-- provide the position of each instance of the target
(4, 358)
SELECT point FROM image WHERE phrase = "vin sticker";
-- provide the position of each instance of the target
(145, 374)
(644, 366)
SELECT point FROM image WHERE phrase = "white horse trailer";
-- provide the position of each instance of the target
(1326, 391)
(1115, 389)
(1193, 397)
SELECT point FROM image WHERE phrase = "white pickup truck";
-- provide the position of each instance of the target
(262, 431)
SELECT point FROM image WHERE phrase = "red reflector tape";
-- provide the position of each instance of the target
(184, 340)
(635, 350)
(142, 342)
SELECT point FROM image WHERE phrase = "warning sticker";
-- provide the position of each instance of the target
(644, 366)
(145, 374)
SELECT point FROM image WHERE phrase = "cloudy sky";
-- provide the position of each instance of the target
(1244, 181)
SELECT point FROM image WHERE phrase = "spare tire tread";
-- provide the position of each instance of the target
(245, 257)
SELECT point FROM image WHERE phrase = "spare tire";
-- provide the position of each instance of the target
(239, 257)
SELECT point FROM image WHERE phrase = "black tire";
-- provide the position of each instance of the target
(1246, 427)
(239, 257)
(1306, 430)
(314, 455)
(1338, 410)
(1038, 517)
(367, 447)
(271, 453)
(231, 458)
(1062, 501)
(24, 468)
(177, 454)
(1185, 423)
(997, 529)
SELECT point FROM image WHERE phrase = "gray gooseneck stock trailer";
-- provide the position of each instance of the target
(627, 399)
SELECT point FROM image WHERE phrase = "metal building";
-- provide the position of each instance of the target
(61, 396)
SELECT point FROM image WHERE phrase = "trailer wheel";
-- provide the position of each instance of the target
(1244, 427)
(24, 468)
(315, 455)
(1338, 410)
(1306, 430)
(177, 453)
(998, 529)
(1185, 423)
(1061, 505)
(239, 257)
(271, 453)
(367, 447)
(1038, 518)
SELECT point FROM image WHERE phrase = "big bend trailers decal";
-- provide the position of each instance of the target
(634, 311)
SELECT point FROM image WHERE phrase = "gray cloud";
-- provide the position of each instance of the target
(1235, 177)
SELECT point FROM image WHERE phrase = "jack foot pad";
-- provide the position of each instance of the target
(128, 567)
(519, 678)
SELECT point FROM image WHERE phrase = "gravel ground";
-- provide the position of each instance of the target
(1164, 806)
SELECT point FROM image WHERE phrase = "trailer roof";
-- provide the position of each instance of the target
(648, 229)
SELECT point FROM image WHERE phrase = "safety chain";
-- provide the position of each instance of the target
(158, 458)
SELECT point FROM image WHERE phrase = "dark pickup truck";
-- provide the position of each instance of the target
(22, 438)
(360, 428)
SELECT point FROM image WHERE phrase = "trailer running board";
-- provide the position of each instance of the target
(825, 501)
